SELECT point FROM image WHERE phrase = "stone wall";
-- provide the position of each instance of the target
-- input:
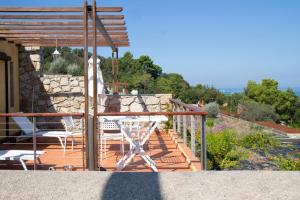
(66, 94)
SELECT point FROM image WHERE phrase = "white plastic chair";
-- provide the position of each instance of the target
(110, 130)
(70, 128)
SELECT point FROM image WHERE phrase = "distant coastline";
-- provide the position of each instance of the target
(239, 90)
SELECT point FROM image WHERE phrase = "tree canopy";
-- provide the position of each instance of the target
(267, 92)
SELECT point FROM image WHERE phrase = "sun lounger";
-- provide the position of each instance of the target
(27, 129)
(19, 155)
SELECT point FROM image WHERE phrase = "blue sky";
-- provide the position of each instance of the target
(223, 43)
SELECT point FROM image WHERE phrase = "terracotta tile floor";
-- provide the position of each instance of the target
(160, 148)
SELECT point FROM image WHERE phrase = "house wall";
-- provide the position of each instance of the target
(10, 50)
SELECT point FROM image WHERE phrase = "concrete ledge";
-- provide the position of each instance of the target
(233, 185)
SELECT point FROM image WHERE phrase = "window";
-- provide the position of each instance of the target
(12, 85)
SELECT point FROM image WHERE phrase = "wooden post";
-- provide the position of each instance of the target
(86, 85)
(95, 92)
(203, 144)
(184, 127)
(193, 144)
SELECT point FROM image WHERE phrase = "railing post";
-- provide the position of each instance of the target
(184, 128)
(178, 121)
(193, 144)
(174, 118)
(34, 141)
(203, 144)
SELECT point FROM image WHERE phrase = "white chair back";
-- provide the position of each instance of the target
(109, 126)
(24, 124)
(68, 123)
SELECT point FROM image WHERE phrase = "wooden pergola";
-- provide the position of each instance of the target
(86, 26)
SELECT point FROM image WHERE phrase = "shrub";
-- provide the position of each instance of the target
(233, 157)
(75, 70)
(58, 66)
(218, 146)
(290, 164)
(210, 123)
(258, 112)
(259, 141)
(212, 109)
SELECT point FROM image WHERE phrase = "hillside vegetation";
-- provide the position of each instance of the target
(259, 102)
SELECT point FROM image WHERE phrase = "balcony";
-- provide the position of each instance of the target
(169, 145)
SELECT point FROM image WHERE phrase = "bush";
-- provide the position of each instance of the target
(58, 66)
(218, 146)
(212, 109)
(232, 158)
(290, 164)
(233, 100)
(259, 141)
(75, 70)
(210, 123)
(258, 112)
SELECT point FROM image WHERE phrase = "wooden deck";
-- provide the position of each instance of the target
(160, 147)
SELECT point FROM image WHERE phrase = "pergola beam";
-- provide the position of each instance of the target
(61, 17)
(100, 26)
(70, 44)
(65, 23)
(46, 36)
(58, 9)
(56, 32)
(68, 28)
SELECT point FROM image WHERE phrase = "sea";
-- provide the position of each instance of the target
(239, 90)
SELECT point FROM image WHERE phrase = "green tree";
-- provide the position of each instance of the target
(172, 83)
(147, 64)
(284, 102)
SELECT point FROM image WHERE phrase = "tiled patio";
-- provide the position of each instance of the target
(160, 147)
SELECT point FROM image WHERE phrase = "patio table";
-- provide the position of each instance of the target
(150, 123)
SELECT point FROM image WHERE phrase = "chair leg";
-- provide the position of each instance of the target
(105, 143)
(23, 164)
(101, 148)
(72, 143)
(123, 149)
(65, 143)
(62, 144)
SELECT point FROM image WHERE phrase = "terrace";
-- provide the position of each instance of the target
(60, 138)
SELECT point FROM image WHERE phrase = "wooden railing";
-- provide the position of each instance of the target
(183, 123)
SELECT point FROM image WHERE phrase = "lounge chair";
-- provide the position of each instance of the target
(26, 126)
(19, 155)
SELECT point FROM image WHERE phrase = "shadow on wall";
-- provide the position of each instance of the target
(132, 186)
(33, 96)
(113, 104)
